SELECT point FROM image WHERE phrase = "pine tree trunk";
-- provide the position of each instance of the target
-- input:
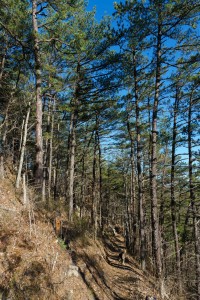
(94, 183)
(25, 196)
(51, 150)
(100, 179)
(173, 200)
(196, 222)
(5, 119)
(38, 172)
(154, 202)
(162, 209)
(2, 65)
(55, 180)
(44, 177)
(45, 153)
(22, 135)
(139, 168)
(2, 152)
(55, 170)
(23, 148)
(72, 142)
(83, 175)
(82, 206)
(72, 137)
(133, 215)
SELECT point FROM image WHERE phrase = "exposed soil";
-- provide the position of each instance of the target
(107, 277)
(34, 264)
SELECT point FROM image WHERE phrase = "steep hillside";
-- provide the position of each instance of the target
(33, 265)
(107, 276)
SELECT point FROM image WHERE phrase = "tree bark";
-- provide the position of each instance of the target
(51, 149)
(100, 179)
(38, 172)
(83, 174)
(162, 209)
(132, 216)
(72, 137)
(2, 65)
(3, 141)
(173, 199)
(72, 141)
(25, 196)
(23, 147)
(94, 183)
(139, 168)
(131, 220)
(196, 222)
(83, 188)
(154, 203)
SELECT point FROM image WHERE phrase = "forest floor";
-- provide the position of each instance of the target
(107, 277)
(34, 263)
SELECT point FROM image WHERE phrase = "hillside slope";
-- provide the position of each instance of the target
(107, 277)
(33, 265)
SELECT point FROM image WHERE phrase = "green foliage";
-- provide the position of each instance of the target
(80, 227)
(62, 244)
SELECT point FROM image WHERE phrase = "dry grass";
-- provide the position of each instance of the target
(33, 265)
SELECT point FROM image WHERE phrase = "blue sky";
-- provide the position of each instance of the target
(103, 7)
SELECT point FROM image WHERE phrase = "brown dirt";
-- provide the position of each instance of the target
(107, 277)
(34, 264)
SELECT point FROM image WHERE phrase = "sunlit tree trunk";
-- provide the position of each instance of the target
(24, 138)
(72, 136)
(2, 150)
(139, 168)
(154, 202)
(39, 140)
(196, 224)
(72, 142)
(4, 125)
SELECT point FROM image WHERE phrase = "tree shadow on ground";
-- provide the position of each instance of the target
(97, 274)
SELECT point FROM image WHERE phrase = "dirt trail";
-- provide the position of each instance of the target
(107, 277)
